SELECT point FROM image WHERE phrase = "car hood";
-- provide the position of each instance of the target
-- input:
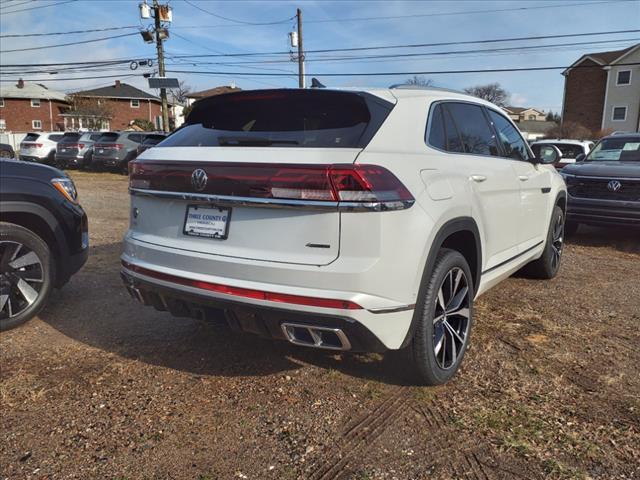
(601, 168)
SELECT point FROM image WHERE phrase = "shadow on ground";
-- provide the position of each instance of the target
(94, 308)
(624, 239)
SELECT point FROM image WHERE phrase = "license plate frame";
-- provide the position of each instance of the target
(217, 233)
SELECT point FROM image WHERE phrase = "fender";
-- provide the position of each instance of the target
(42, 213)
(460, 224)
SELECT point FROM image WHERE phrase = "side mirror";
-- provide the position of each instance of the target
(580, 157)
(549, 154)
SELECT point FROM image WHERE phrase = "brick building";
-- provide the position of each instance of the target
(112, 108)
(26, 107)
(602, 91)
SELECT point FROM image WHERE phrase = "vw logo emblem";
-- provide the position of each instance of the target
(199, 179)
(614, 185)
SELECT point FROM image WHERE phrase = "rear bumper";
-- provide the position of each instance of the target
(386, 320)
(241, 317)
(603, 212)
(34, 158)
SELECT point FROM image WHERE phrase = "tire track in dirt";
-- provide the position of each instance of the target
(360, 433)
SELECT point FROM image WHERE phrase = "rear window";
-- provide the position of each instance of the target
(283, 118)
(70, 137)
(31, 137)
(568, 150)
(56, 137)
(109, 137)
(153, 139)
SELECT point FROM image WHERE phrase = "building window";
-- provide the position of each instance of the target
(532, 117)
(624, 77)
(135, 103)
(36, 124)
(1, 102)
(35, 102)
(3, 124)
(619, 114)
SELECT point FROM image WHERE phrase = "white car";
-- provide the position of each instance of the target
(571, 150)
(346, 220)
(40, 147)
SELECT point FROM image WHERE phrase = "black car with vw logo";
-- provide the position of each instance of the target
(604, 186)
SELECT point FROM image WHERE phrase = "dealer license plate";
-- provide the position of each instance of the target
(207, 221)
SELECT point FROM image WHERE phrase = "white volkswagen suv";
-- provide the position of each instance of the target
(346, 220)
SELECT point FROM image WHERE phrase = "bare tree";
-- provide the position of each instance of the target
(570, 130)
(92, 111)
(180, 94)
(419, 81)
(491, 92)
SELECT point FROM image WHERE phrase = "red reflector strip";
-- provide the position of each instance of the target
(246, 292)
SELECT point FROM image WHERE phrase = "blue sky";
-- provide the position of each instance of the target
(196, 32)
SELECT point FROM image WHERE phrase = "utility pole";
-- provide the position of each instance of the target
(160, 50)
(301, 77)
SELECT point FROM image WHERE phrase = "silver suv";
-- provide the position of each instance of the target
(76, 149)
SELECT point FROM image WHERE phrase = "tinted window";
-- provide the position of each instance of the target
(512, 143)
(70, 137)
(475, 132)
(153, 139)
(135, 137)
(283, 118)
(95, 137)
(56, 137)
(454, 144)
(437, 137)
(567, 150)
(108, 137)
(31, 137)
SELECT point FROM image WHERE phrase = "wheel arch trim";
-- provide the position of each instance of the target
(455, 225)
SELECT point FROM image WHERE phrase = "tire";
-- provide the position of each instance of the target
(570, 228)
(51, 159)
(435, 351)
(26, 285)
(548, 265)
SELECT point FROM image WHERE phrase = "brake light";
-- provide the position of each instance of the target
(246, 292)
(79, 146)
(352, 183)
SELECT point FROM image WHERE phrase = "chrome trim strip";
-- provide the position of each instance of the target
(393, 309)
(231, 201)
(587, 177)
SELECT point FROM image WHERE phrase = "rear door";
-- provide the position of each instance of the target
(252, 168)
(491, 178)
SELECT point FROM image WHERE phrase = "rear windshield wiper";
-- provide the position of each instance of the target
(252, 141)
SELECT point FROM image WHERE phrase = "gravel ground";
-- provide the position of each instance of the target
(101, 387)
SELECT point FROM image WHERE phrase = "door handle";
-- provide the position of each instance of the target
(523, 178)
(478, 178)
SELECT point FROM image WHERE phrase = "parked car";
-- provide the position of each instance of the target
(76, 149)
(40, 147)
(116, 149)
(6, 151)
(570, 149)
(341, 219)
(43, 237)
(151, 140)
(604, 186)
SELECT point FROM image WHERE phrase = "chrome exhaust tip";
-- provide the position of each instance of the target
(316, 337)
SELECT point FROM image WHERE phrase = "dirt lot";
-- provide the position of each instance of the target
(101, 387)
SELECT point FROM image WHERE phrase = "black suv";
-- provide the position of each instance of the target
(44, 237)
(604, 186)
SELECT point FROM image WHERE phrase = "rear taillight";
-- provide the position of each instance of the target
(79, 146)
(343, 184)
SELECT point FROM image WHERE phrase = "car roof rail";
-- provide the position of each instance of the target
(405, 86)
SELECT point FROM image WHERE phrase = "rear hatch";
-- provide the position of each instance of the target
(108, 147)
(253, 175)
(30, 144)
(69, 145)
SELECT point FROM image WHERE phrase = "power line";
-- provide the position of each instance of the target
(70, 43)
(73, 32)
(241, 22)
(387, 74)
(62, 79)
(418, 15)
(41, 6)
